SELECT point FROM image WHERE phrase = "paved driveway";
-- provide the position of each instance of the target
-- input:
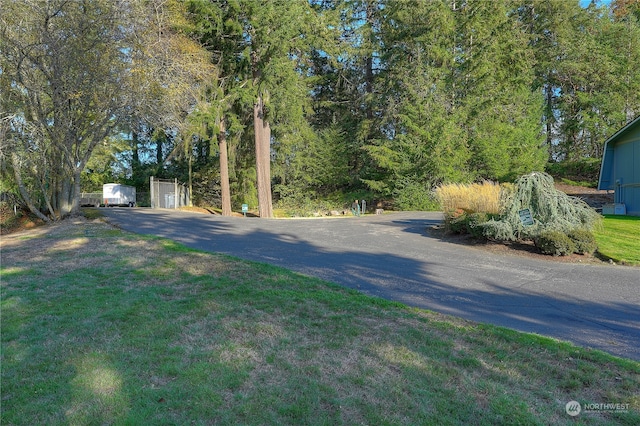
(391, 256)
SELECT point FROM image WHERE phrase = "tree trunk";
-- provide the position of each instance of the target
(190, 156)
(47, 197)
(263, 159)
(159, 144)
(224, 169)
(135, 162)
(65, 197)
(75, 194)
(23, 190)
(548, 122)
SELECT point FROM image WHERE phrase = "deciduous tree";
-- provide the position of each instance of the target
(63, 66)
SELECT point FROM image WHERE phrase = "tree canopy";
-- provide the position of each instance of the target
(254, 102)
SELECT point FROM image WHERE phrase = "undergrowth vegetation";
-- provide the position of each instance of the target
(309, 205)
(14, 218)
(582, 172)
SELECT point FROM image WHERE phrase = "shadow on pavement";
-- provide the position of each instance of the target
(423, 283)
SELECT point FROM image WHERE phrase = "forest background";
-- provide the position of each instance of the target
(302, 102)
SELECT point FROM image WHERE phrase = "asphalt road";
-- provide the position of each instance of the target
(391, 256)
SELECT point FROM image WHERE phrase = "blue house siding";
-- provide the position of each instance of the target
(620, 170)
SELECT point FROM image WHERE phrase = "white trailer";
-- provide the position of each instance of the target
(114, 194)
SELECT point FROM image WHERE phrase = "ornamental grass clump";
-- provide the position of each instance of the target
(551, 210)
(472, 198)
(467, 206)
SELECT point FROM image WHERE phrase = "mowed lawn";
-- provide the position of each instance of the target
(100, 327)
(619, 239)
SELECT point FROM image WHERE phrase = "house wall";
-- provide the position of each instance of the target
(620, 169)
(626, 172)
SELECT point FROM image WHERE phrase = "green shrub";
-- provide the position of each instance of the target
(304, 206)
(475, 222)
(584, 241)
(457, 222)
(414, 195)
(555, 243)
(585, 170)
(464, 222)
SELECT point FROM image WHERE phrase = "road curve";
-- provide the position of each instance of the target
(391, 256)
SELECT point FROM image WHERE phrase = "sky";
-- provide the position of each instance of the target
(585, 3)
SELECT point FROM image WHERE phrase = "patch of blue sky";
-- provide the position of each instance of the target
(586, 3)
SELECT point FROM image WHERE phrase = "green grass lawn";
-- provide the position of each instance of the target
(100, 326)
(619, 239)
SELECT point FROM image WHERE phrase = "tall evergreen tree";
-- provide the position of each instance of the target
(494, 80)
(351, 95)
(458, 96)
(583, 67)
(421, 143)
(220, 29)
(624, 45)
(264, 49)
